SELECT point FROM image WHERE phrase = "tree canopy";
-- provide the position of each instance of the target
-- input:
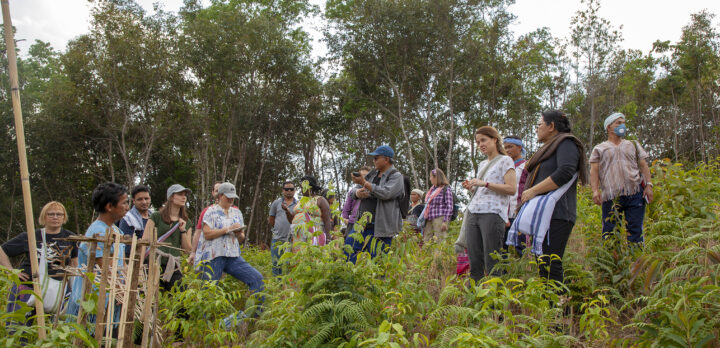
(229, 91)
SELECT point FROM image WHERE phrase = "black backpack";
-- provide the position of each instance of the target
(456, 206)
(404, 200)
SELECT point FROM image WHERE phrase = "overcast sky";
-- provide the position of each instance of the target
(643, 21)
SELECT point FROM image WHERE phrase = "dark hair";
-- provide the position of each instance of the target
(139, 188)
(105, 193)
(312, 182)
(288, 182)
(491, 132)
(326, 193)
(562, 123)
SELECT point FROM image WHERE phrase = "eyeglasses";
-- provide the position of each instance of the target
(55, 214)
(289, 188)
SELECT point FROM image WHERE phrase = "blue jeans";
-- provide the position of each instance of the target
(275, 253)
(382, 244)
(236, 267)
(633, 208)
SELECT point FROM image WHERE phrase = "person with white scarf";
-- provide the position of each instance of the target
(549, 195)
(136, 218)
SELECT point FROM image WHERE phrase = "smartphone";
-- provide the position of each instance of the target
(356, 173)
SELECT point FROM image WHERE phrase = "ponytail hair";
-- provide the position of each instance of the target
(491, 132)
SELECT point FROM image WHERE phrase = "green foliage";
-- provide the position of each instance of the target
(666, 293)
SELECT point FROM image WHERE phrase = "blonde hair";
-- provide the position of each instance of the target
(491, 132)
(47, 207)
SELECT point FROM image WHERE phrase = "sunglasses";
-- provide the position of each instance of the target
(289, 188)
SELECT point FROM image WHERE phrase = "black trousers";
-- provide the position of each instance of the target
(554, 244)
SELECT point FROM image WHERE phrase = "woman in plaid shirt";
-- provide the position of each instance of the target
(438, 207)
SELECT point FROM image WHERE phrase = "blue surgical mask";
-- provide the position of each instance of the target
(621, 130)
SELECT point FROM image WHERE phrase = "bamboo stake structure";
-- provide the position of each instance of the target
(87, 284)
(110, 318)
(22, 156)
(128, 304)
(151, 288)
(100, 317)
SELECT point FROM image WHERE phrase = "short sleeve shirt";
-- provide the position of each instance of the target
(281, 229)
(226, 245)
(488, 201)
(618, 168)
(513, 200)
(100, 228)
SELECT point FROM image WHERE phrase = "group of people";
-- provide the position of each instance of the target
(508, 194)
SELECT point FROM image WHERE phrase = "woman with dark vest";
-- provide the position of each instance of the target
(554, 165)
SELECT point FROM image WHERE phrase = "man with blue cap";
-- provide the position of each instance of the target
(379, 193)
(620, 179)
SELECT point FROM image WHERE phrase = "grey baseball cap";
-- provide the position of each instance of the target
(176, 188)
(228, 190)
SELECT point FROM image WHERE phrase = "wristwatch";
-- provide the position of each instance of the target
(649, 184)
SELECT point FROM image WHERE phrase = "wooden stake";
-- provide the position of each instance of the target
(128, 310)
(155, 305)
(113, 290)
(22, 156)
(100, 318)
(150, 290)
(87, 285)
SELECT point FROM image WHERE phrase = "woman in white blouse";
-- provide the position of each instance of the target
(494, 186)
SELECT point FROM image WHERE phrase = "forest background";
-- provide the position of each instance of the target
(230, 91)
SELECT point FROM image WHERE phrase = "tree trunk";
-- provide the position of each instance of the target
(309, 156)
(240, 169)
(592, 122)
(257, 190)
(701, 127)
(408, 143)
(675, 125)
(448, 169)
(110, 160)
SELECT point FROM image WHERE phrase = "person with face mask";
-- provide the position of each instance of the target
(620, 179)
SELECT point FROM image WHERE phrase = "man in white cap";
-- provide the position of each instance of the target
(223, 229)
(620, 179)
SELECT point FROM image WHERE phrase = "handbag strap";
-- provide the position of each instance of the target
(481, 174)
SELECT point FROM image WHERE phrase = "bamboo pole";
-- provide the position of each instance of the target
(113, 291)
(102, 294)
(128, 298)
(87, 284)
(22, 156)
(150, 290)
